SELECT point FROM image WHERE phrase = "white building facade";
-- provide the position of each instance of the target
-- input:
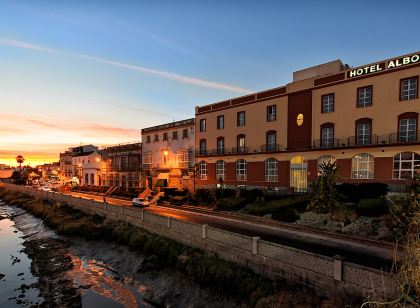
(168, 155)
(86, 168)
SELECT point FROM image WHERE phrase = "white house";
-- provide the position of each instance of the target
(87, 168)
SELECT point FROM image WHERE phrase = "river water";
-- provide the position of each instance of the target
(104, 274)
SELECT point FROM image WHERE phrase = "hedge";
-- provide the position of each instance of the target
(231, 203)
(276, 206)
(372, 207)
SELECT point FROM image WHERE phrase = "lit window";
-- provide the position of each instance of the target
(183, 157)
(240, 144)
(241, 170)
(240, 118)
(220, 170)
(364, 97)
(202, 170)
(362, 166)
(271, 113)
(406, 166)
(409, 88)
(327, 103)
(271, 170)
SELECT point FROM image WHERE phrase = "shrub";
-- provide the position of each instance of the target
(179, 200)
(231, 203)
(372, 207)
(355, 192)
(275, 206)
(344, 213)
(203, 196)
(225, 193)
(287, 214)
(251, 194)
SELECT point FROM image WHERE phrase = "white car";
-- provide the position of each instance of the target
(140, 202)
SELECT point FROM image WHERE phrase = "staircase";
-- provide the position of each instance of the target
(145, 193)
(156, 198)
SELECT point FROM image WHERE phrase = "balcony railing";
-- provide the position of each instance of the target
(326, 144)
(404, 137)
(270, 147)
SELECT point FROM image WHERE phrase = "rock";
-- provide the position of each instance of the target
(20, 274)
(2, 276)
(149, 264)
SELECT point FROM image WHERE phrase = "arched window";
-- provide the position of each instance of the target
(407, 127)
(240, 144)
(220, 170)
(271, 140)
(362, 166)
(325, 159)
(271, 170)
(327, 135)
(202, 170)
(220, 145)
(406, 166)
(203, 147)
(241, 170)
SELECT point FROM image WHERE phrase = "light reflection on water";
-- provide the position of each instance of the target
(15, 265)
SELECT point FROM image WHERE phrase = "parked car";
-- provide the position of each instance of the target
(140, 202)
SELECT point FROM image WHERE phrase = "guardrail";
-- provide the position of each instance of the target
(271, 259)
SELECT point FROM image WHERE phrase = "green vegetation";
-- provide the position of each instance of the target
(324, 194)
(344, 213)
(261, 208)
(372, 207)
(206, 270)
(231, 203)
(354, 192)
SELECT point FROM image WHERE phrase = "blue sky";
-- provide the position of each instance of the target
(99, 71)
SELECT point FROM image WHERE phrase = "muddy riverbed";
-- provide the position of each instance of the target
(38, 267)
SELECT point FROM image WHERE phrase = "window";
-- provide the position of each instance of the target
(148, 139)
(202, 125)
(183, 157)
(364, 131)
(165, 136)
(271, 141)
(325, 159)
(147, 160)
(220, 122)
(220, 170)
(203, 147)
(406, 166)
(271, 113)
(240, 116)
(241, 170)
(87, 179)
(327, 103)
(327, 135)
(202, 170)
(175, 135)
(165, 156)
(156, 137)
(409, 88)
(220, 145)
(240, 144)
(271, 170)
(407, 130)
(185, 133)
(364, 97)
(362, 166)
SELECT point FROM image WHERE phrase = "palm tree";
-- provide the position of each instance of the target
(20, 159)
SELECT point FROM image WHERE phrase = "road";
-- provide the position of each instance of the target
(363, 253)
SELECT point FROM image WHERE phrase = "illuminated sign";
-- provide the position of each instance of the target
(299, 119)
(383, 66)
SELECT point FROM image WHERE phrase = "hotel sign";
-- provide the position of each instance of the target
(383, 66)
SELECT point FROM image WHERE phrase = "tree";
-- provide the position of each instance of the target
(20, 159)
(324, 194)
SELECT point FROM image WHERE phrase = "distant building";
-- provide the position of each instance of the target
(86, 168)
(50, 170)
(66, 168)
(168, 155)
(122, 165)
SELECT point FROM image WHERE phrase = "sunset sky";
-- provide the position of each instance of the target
(97, 72)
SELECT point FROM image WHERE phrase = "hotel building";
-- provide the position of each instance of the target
(168, 155)
(364, 118)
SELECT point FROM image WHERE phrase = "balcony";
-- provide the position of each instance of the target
(270, 147)
(373, 140)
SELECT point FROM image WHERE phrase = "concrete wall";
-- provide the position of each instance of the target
(274, 260)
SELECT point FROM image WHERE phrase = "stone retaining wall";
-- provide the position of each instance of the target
(271, 259)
